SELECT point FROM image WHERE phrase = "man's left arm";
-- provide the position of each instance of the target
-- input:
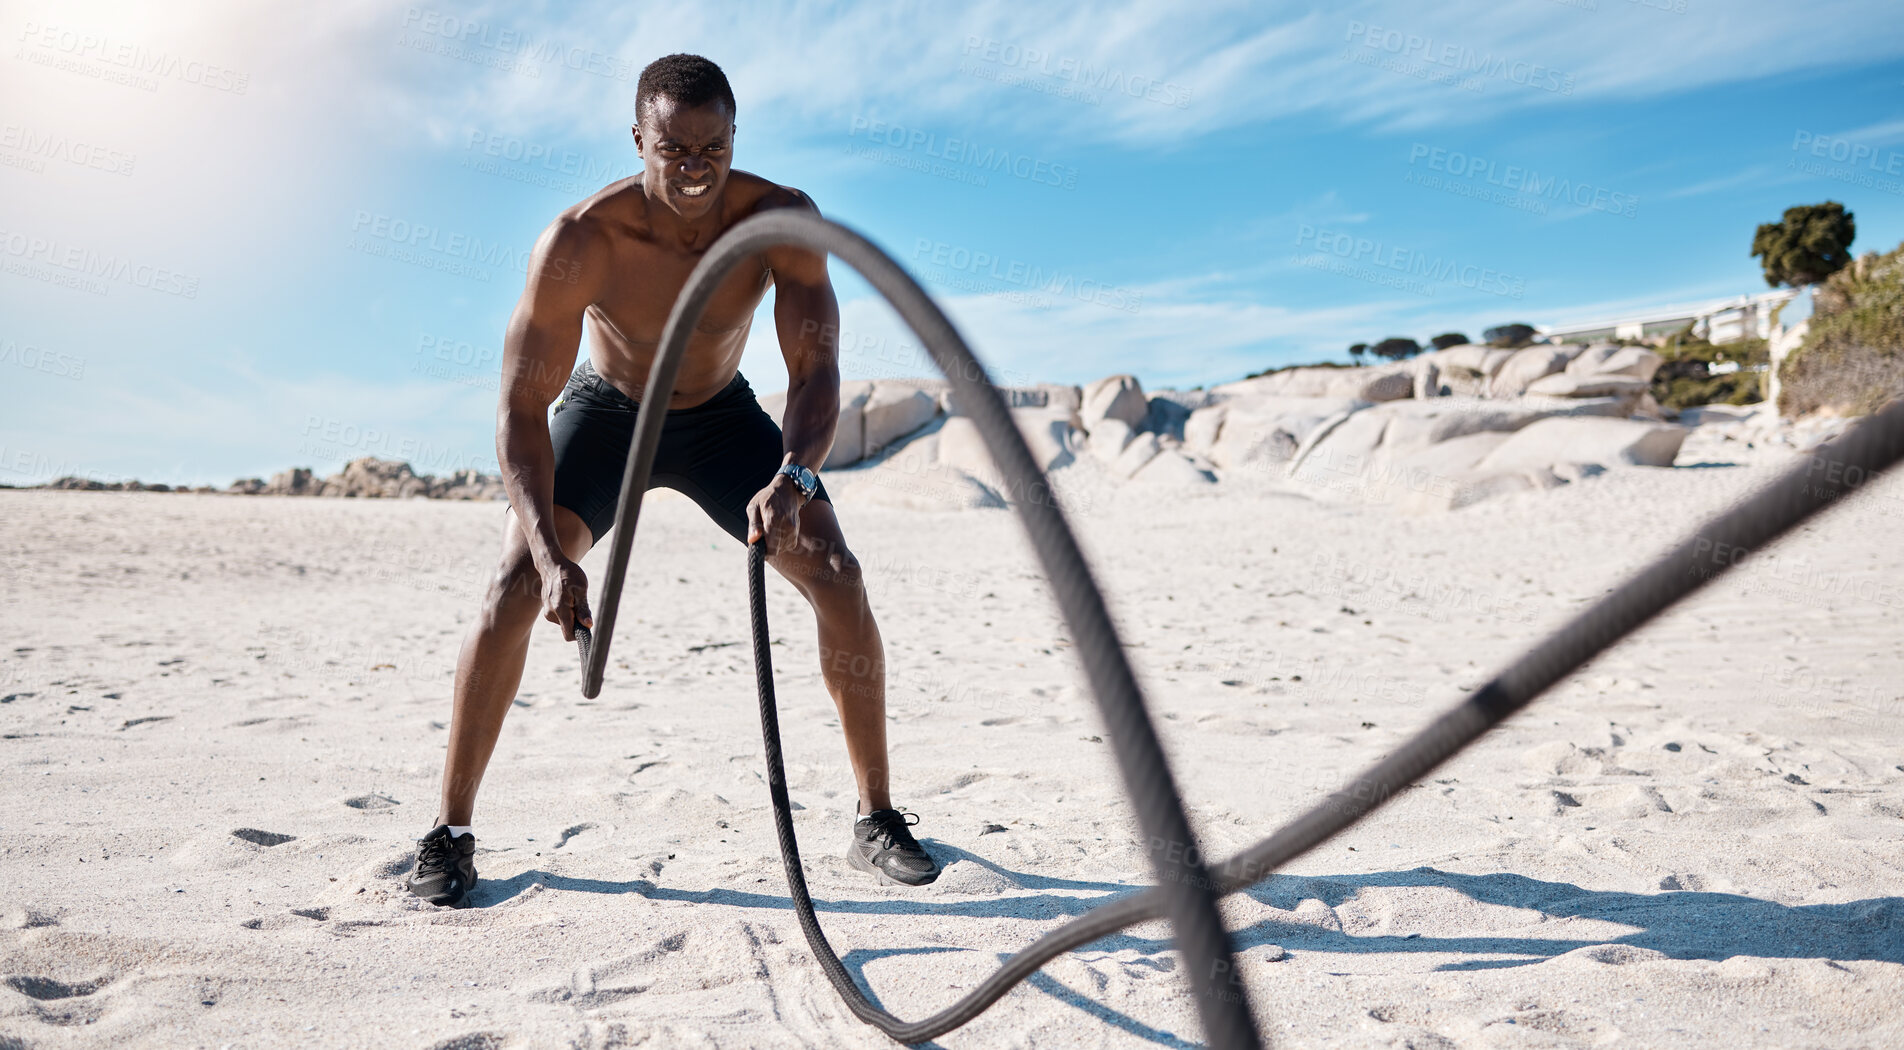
(807, 320)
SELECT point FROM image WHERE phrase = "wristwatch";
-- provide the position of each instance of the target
(807, 481)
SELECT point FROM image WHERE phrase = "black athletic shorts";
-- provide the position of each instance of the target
(720, 453)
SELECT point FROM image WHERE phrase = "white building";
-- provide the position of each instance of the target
(1716, 321)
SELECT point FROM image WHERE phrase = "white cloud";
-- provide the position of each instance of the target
(1880, 134)
(1240, 63)
(1750, 175)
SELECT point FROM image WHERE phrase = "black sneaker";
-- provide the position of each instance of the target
(445, 867)
(883, 845)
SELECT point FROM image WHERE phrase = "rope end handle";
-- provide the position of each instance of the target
(583, 640)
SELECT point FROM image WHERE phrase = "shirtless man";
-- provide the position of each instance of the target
(619, 258)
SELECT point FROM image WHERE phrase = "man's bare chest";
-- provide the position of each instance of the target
(641, 289)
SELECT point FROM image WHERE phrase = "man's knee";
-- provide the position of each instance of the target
(828, 573)
(515, 592)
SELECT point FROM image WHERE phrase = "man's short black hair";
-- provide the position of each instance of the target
(687, 79)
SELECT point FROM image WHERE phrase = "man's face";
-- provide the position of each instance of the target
(685, 153)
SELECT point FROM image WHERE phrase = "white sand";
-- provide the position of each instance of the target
(1696, 841)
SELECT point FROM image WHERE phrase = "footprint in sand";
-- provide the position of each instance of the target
(289, 920)
(262, 838)
(46, 989)
(370, 803)
(472, 1041)
(580, 838)
(26, 917)
(610, 981)
(58, 1002)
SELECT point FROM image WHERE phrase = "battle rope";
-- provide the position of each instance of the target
(1829, 473)
(1199, 934)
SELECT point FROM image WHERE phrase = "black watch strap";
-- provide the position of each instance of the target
(808, 482)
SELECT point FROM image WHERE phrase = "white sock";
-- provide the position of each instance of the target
(457, 831)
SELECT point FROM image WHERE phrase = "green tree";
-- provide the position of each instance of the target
(1510, 336)
(1357, 350)
(1811, 243)
(1395, 348)
(1448, 339)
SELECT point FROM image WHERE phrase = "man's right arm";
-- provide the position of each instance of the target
(538, 353)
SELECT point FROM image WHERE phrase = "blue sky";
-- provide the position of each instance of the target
(234, 240)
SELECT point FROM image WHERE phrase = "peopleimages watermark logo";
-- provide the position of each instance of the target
(331, 439)
(1064, 76)
(539, 164)
(875, 355)
(434, 248)
(86, 269)
(500, 47)
(119, 61)
(1411, 268)
(1532, 191)
(1858, 163)
(37, 465)
(1034, 279)
(965, 154)
(39, 359)
(30, 149)
(1457, 59)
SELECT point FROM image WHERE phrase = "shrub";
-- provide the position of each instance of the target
(1852, 359)
(1448, 339)
(1284, 368)
(1685, 378)
(1509, 336)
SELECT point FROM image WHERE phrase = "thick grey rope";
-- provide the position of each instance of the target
(1828, 474)
(1191, 907)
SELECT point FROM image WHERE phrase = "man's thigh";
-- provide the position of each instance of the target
(721, 458)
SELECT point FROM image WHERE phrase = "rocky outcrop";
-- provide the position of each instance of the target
(1607, 359)
(466, 484)
(1136, 455)
(1604, 442)
(891, 413)
(76, 484)
(1376, 383)
(1567, 384)
(1167, 415)
(1449, 452)
(1443, 430)
(298, 481)
(1049, 434)
(1118, 397)
(1256, 429)
(1110, 438)
(849, 435)
(364, 478)
(875, 415)
(1170, 468)
(1520, 371)
(368, 477)
(1044, 395)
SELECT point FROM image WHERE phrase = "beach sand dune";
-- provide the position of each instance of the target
(224, 720)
